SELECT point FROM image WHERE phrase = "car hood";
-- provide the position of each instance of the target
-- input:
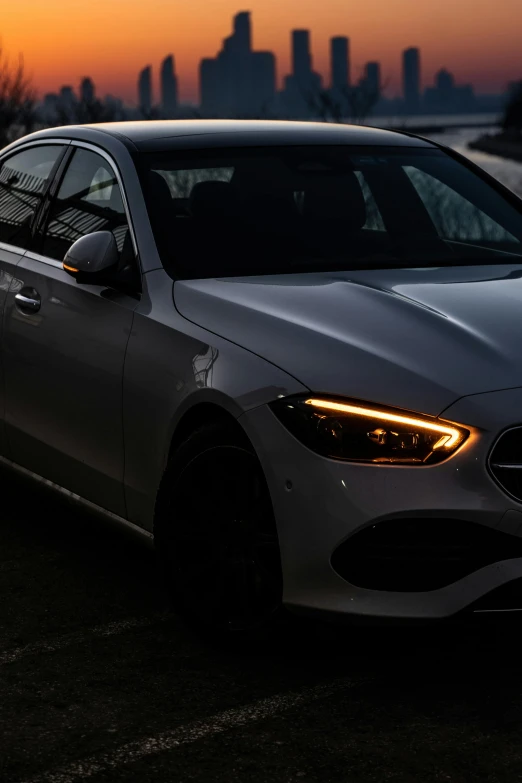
(414, 338)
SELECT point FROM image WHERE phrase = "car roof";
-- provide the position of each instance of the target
(168, 134)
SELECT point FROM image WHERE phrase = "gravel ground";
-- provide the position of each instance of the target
(98, 681)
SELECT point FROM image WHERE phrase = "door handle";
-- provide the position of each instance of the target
(28, 300)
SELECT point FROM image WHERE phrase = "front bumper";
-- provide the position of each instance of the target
(320, 503)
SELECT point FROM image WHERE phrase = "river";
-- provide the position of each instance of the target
(507, 171)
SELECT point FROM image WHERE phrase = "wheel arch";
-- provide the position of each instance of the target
(203, 413)
(206, 411)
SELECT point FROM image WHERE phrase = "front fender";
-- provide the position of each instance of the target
(171, 366)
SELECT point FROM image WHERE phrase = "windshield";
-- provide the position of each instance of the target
(278, 210)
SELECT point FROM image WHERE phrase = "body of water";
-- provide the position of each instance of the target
(507, 171)
(429, 120)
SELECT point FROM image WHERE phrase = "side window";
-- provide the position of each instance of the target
(89, 199)
(182, 181)
(23, 180)
(374, 221)
(455, 217)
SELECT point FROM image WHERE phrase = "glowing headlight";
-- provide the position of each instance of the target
(355, 432)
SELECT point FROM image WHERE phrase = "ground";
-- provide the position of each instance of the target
(98, 681)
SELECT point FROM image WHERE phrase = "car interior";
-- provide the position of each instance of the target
(262, 215)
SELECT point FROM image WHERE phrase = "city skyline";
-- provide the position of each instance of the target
(478, 40)
(241, 82)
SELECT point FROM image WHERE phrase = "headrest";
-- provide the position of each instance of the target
(338, 198)
(158, 184)
(213, 199)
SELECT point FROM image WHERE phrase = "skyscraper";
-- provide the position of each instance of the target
(411, 79)
(209, 84)
(302, 86)
(263, 81)
(340, 62)
(145, 90)
(169, 87)
(87, 90)
(242, 32)
(373, 78)
(301, 58)
(238, 82)
(240, 64)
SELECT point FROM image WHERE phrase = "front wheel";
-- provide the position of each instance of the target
(216, 536)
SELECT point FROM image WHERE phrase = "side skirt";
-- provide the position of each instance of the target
(108, 516)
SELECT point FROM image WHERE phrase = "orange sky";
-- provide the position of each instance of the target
(63, 40)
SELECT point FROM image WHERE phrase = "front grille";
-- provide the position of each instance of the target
(417, 554)
(505, 462)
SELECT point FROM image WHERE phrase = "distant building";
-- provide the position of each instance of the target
(238, 81)
(239, 66)
(301, 57)
(340, 63)
(67, 96)
(411, 79)
(372, 78)
(303, 85)
(145, 90)
(444, 81)
(263, 81)
(87, 90)
(49, 107)
(169, 87)
(66, 104)
(242, 33)
(446, 97)
(209, 86)
(115, 106)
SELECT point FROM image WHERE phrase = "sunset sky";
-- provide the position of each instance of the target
(110, 40)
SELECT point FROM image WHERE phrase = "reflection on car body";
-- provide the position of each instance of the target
(289, 351)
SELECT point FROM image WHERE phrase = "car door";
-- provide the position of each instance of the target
(25, 175)
(65, 342)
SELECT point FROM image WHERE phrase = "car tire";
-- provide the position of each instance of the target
(216, 539)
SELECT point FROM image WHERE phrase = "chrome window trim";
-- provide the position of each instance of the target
(43, 259)
(12, 248)
(119, 179)
(37, 143)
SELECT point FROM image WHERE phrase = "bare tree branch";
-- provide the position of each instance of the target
(17, 100)
(353, 104)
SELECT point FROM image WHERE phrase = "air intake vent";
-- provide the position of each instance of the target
(416, 555)
(505, 462)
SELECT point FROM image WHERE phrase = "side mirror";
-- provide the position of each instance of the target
(90, 255)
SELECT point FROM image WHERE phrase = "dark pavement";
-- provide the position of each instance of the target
(98, 681)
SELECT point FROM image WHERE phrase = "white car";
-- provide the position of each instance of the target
(290, 351)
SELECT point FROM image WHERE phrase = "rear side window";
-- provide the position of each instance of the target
(374, 221)
(89, 199)
(23, 180)
(455, 216)
(182, 181)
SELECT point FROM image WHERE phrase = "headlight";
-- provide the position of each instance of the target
(352, 431)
